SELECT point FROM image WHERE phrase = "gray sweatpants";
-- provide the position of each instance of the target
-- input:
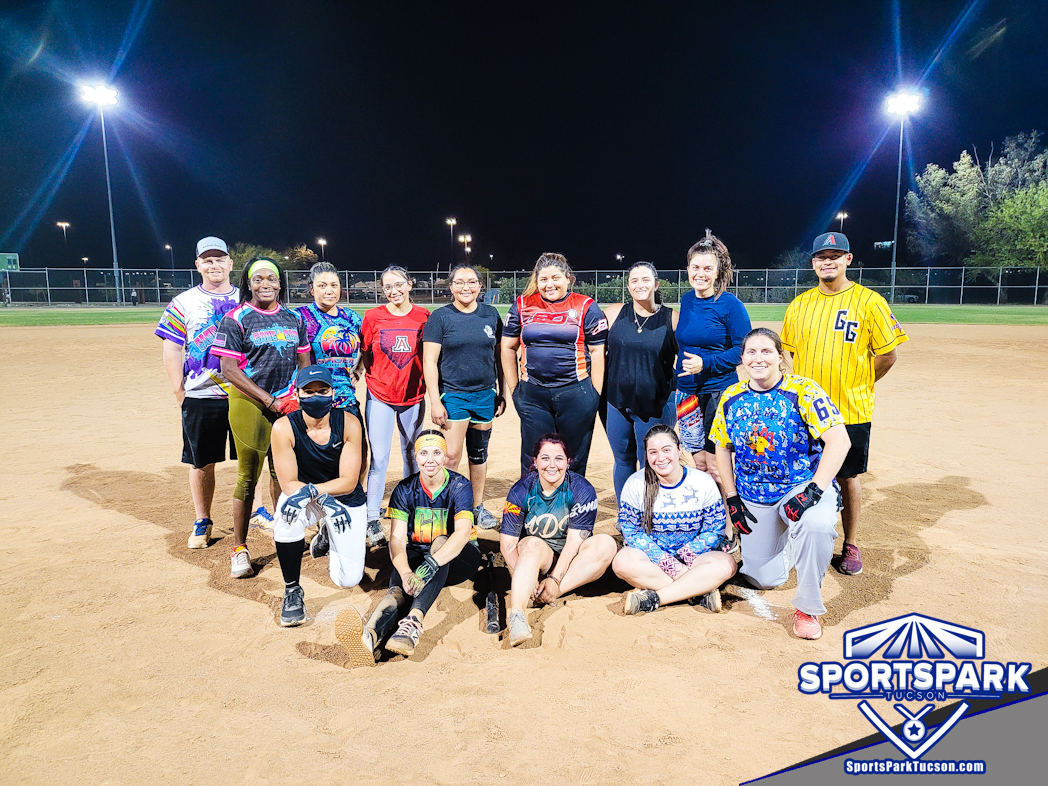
(382, 419)
(778, 544)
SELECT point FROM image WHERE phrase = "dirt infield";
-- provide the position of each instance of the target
(127, 657)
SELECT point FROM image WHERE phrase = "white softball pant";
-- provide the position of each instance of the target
(348, 545)
(777, 545)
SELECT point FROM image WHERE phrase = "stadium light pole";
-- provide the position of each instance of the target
(902, 104)
(465, 240)
(171, 251)
(322, 243)
(63, 225)
(103, 96)
(840, 217)
(451, 221)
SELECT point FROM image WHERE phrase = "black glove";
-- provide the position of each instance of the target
(423, 574)
(738, 513)
(795, 506)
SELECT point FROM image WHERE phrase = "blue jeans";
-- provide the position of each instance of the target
(626, 432)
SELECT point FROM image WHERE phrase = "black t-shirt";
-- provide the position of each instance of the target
(467, 346)
(321, 463)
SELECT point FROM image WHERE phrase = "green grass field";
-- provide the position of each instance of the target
(29, 316)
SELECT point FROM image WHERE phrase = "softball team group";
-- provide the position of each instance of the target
(776, 457)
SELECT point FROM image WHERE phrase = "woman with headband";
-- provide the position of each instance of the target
(712, 325)
(391, 353)
(560, 336)
(432, 545)
(641, 370)
(261, 344)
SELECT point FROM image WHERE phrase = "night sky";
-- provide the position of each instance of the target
(593, 129)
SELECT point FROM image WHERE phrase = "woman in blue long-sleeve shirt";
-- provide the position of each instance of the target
(710, 330)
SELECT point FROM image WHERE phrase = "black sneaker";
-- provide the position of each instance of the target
(710, 601)
(641, 601)
(320, 545)
(294, 611)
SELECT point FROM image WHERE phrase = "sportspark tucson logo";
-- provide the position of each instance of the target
(915, 668)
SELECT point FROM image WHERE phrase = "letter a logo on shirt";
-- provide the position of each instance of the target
(401, 344)
(398, 346)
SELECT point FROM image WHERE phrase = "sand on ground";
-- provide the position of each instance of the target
(128, 658)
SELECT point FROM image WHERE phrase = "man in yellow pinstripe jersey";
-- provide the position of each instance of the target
(843, 336)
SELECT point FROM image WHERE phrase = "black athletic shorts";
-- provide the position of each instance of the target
(859, 454)
(205, 431)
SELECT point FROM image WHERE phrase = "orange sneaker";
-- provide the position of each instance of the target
(805, 626)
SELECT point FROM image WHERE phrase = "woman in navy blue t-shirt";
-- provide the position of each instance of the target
(710, 330)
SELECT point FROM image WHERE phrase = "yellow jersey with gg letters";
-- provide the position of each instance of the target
(834, 339)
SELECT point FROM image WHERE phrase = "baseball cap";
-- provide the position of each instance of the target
(834, 241)
(312, 373)
(211, 244)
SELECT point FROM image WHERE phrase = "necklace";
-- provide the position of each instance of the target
(636, 319)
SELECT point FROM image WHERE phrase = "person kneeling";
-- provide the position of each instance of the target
(556, 509)
(673, 522)
(317, 454)
(426, 556)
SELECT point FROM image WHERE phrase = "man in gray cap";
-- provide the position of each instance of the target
(188, 327)
(843, 336)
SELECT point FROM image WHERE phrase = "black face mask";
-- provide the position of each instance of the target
(316, 406)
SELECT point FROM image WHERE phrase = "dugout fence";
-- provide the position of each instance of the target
(929, 285)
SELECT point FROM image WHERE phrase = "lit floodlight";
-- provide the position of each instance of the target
(101, 95)
(903, 103)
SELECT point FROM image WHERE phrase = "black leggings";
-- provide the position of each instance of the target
(569, 410)
(463, 567)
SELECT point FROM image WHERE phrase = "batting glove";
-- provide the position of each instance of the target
(795, 506)
(423, 574)
(336, 515)
(739, 513)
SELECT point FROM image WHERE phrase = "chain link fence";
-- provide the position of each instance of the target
(952, 285)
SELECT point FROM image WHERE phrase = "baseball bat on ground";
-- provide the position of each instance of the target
(491, 602)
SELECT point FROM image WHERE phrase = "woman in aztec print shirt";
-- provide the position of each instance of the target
(261, 344)
(673, 524)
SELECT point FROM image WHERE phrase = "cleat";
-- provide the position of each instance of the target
(240, 563)
(404, 641)
(851, 560)
(294, 611)
(519, 629)
(201, 536)
(320, 545)
(711, 601)
(356, 640)
(261, 519)
(484, 518)
(805, 626)
(641, 601)
(376, 537)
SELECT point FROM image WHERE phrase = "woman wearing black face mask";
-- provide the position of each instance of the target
(318, 455)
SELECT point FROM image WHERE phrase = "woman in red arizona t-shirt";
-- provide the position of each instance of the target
(391, 354)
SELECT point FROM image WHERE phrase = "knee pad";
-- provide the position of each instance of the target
(477, 445)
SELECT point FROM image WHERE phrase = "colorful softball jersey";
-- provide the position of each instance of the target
(833, 340)
(430, 516)
(395, 343)
(554, 335)
(528, 511)
(191, 320)
(687, 519)
(334, 340)
(775, 434)
(265, 344)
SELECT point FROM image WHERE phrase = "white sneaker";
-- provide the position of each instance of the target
(240, 564)
(519, 629)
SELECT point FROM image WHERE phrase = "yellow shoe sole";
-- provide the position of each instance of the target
(349, 630)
